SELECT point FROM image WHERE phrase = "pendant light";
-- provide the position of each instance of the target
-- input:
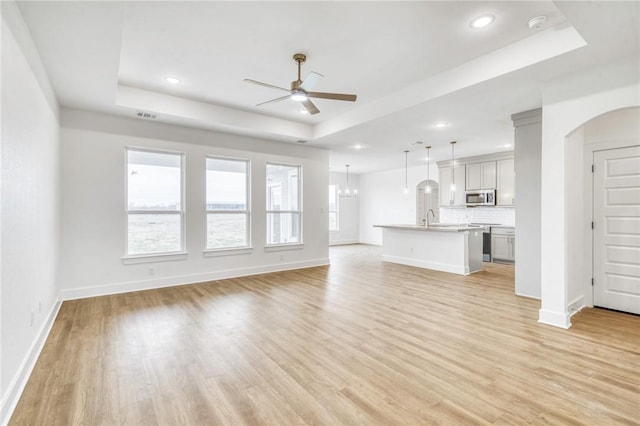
(347, 191)
(406, 180)
(453, 178)
(428, 187)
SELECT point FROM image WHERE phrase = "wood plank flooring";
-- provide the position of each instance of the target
(359, 342)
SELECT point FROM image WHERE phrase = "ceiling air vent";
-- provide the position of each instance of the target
(146, 115)
(301, 141)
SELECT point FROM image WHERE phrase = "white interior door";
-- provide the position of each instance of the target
(616, 234)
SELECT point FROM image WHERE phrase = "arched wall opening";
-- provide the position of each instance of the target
(615, 129)
(563, 151)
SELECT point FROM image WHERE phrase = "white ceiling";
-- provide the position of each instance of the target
(411, 64)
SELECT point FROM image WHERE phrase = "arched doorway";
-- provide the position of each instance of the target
(603, 198)
(427, 198)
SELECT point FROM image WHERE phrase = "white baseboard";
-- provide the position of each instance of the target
(343, 242)
(528, 296)
(444, 267)
(371, 242)
(576, 306)
(556, 319)
(126, 287)
(14, 391)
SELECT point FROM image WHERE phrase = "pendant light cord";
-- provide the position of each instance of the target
(428, 161)
(406, 180)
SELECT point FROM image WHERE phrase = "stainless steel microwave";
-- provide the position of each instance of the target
(484, 197)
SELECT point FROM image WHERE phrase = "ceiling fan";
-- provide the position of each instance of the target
(300, 90)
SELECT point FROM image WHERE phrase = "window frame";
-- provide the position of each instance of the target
(154, 256)
(235, 249)
(337, 209)
(299, 212)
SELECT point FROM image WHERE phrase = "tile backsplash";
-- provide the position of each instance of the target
(501, 215)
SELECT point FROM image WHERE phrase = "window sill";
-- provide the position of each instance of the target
(227, 251)
(149, 258)
(280, 247)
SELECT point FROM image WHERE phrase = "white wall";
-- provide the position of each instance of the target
(382, 200)
(574, 232)
(93, 182)
(528, 145)
(611, 130)
(566, 106)
(30, 208)
(348, 211)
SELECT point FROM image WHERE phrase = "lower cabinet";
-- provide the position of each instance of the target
(503, 241)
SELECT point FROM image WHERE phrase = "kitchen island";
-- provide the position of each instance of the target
(455, 248)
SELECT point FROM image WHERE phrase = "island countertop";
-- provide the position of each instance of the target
(437, 227)
(447, 247)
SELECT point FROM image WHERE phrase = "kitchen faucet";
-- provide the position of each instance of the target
(432, 213)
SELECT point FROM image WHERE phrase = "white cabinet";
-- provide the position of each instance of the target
(481, 175)
(506, 183)
(503, 242)
(448, 197)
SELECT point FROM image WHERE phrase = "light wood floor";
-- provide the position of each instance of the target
(359, 342)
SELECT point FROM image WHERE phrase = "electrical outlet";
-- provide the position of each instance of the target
(321, 210)
(40, 306)
(282, 257)
(152, 271)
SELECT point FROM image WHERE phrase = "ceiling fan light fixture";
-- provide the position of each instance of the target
(482, 21)
(299, 96)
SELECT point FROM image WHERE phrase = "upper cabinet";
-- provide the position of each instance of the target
(481, 175)
(506, 189)
(448, 196)
(483, 172)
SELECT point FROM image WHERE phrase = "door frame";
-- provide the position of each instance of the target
(589, 153)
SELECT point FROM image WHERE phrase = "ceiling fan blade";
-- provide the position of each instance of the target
(275, 100)
(259, 83)
(311, 80)
(334, 96)
(311, 108)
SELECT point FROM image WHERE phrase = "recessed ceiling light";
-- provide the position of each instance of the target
(507, 145)
(482, 21)
(441, 125)
(172, 80)
(304, 111)
(358, 146)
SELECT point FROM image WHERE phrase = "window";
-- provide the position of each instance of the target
(334, 225)
(154, 202)
(227, 203)
(283, 204)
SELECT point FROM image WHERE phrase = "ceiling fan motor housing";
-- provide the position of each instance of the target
(300, 58)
